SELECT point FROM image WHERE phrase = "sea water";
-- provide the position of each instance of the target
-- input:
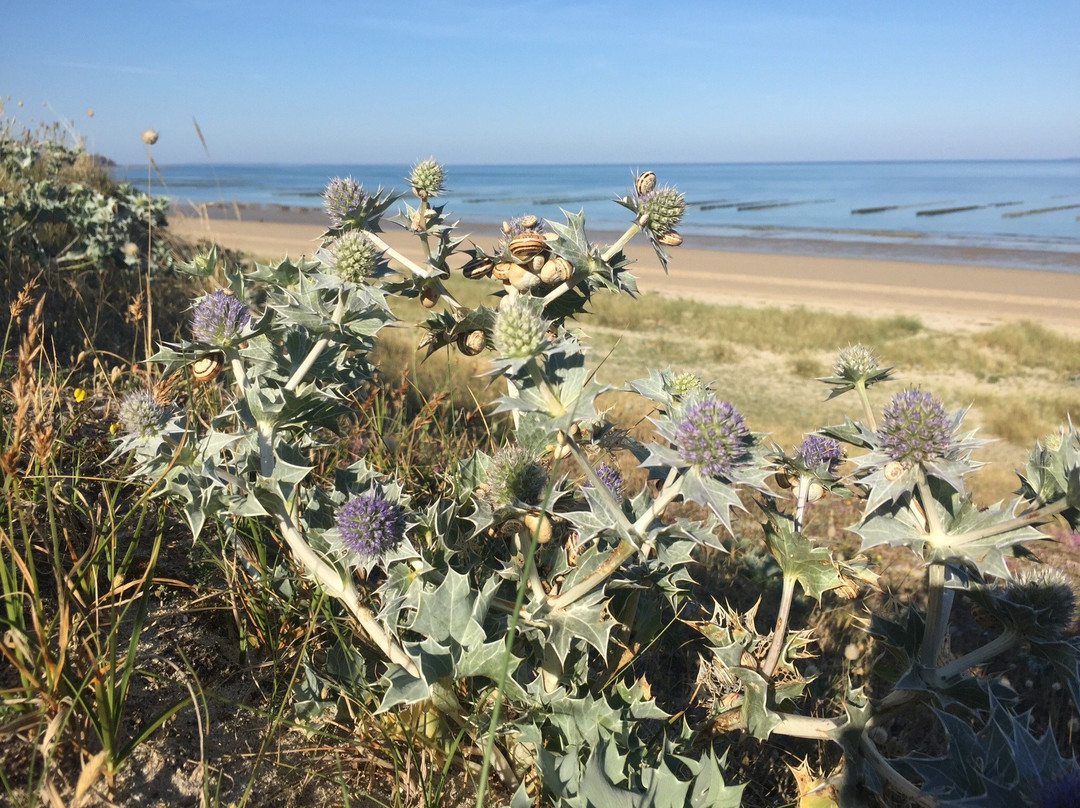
(969, 207)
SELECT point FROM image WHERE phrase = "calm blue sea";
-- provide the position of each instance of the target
(729, 204)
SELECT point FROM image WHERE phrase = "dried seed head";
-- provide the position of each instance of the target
(426, 178)
(149, 136)
(644, 183)
(1049, 593)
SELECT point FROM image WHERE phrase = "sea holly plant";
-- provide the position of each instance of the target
(516, 607)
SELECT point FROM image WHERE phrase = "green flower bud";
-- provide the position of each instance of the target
(355, 257)
(661, 209)
(427, 178)
(515, 475)
(141, 415)
(519, 328)
(856, 362)
(684, 383)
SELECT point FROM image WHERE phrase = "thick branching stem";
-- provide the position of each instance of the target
(414, 268)
(342, 588)
(939, 599)
(890, 775)
(779, 637)
(524, 540)
(1005, 641)
(860, 389)
(555, 405)
(672, 488)
(624, 239)
(316, 350)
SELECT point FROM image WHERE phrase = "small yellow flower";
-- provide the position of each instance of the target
(114, 427)
(79, 394)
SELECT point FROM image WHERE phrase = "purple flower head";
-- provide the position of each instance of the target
(818, 449)
(611, 478)
(370, 525)
(712, 435)
(915, 427)
(219, 318)
(342, 196)
(1060, 792)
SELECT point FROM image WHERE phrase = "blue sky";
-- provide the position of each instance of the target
(484, 81)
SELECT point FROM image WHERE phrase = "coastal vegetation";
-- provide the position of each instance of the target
(283, 557)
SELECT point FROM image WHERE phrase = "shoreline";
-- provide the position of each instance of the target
(947, 295)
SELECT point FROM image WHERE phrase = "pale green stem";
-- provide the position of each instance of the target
(1005, 641)
(624, 239)
(860, 388)
(555, 406)
(1024, 520)
(240, 374)
(342, 588)
(672, 488)
(408, 263)
(911, 791)
(522, 539)
(938, 606)
(939, 599)
(800, 501)
(780, 632)
(565, 287)
(623, 550)
(803, 726)
(597, 483)
(318, 347)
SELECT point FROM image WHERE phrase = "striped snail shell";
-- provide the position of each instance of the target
(208, 366)
(644, 183)
(669, 239)
(526, 246)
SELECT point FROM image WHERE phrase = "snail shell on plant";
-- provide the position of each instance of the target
(521, 279)
(669, 239)
(471, 343)
(477, 268)
(208, 366)
(537, 263)
(501, 271)
(529, 221)
(538, 524)
(893, 471)
(556, 270)
(526, 246)
(644, 183)
(814, 492)
(506, 228)
(429, 297)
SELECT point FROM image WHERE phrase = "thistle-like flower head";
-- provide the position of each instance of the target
(1048, 593)
(342, 196)
(682, 384)
(219, 319)
(513, 475)
(519, 328)
(915, 428)
(611, 477)
(356, 258)
(713, 436)
(855, 365)
(661, 209)
(141, 415)
(426, 178)
(818, 450)
(370, 525)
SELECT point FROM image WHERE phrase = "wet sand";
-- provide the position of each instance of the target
(941, 295)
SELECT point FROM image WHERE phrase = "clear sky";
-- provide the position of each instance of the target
(482, 81)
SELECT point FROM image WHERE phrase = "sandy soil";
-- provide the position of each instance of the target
(941, 295)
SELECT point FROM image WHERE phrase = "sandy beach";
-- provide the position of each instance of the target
(941, 295)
